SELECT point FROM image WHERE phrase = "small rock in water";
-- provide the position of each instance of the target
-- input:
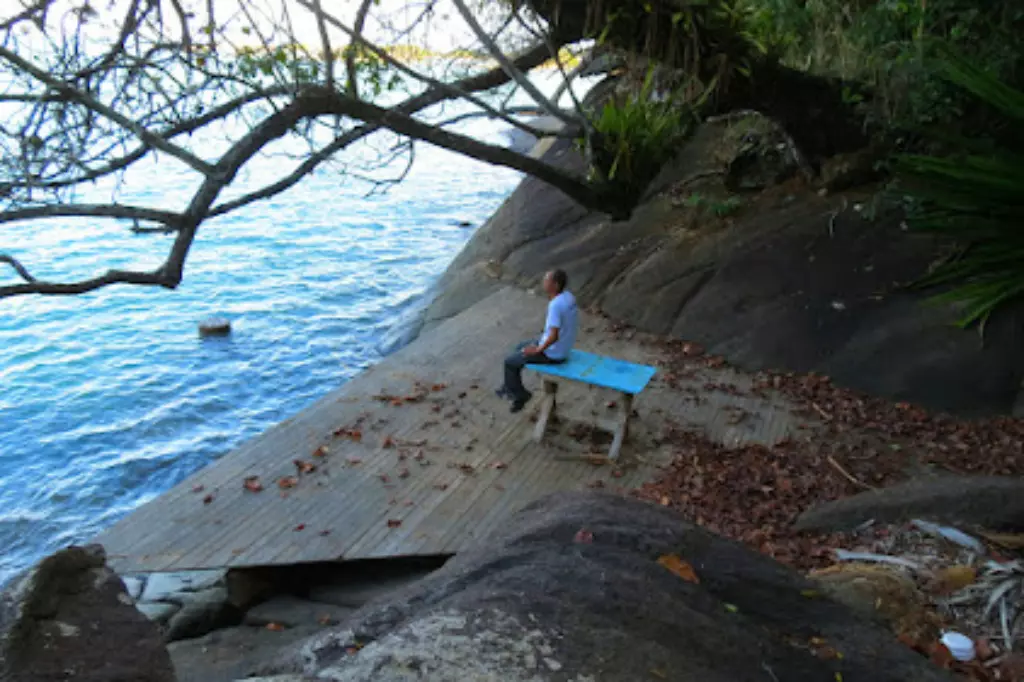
(215, 326)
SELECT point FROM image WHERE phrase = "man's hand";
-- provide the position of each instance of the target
(532, 350)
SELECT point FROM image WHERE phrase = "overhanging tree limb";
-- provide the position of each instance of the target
(327, 102)
(515, 74)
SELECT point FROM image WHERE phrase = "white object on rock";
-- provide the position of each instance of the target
(957, 537)
(961, 646)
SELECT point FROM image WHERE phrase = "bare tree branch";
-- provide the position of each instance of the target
(155, 278)
(119, 211)
(322, 101)
(325, 42)
(18, 267)
(514, 73)
(350, 54)
(388, 59)
(91, 103)
(485, 81)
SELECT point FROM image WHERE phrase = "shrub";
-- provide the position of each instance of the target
(976, 197)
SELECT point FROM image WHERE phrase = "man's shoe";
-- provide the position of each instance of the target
(519, 403)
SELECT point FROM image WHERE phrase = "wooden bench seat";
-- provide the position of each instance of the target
(625, 378)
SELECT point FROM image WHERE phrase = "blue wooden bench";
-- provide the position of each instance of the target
(625, 378)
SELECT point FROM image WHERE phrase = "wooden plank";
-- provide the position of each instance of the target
(441, 509)
(547, 408)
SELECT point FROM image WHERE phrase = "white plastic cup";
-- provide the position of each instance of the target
(961, 646)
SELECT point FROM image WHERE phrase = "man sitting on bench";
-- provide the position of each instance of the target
(553, 346)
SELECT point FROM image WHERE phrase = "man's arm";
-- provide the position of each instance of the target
(537, 350)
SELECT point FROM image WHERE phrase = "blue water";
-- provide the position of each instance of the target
(109, 399)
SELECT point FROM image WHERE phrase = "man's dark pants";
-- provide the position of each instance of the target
(514, 369)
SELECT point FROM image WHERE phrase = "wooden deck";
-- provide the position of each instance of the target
(440, 462)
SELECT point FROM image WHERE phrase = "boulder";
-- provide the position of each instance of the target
(586, 586)
(294, 612)
(790, 280)
(995, 502)
(233, 653)
(158, 611)
(70, 618)
(353, 594)
(201, 612)
(172, 586)
(884, 592)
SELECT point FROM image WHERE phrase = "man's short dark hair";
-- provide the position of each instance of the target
(560, 279)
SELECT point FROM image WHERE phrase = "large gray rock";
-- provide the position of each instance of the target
(572, 589)
(793, 281)
(233, 653)
(293, 612)
(201, 612)
(172, 586)
(70, 618)
(995, 502)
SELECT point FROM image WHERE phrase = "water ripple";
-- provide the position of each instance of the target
(110, 398)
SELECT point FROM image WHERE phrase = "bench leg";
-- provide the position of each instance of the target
(622, 425)
(547, 408)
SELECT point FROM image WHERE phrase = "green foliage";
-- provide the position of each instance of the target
(885, 44)
(976, 197)
(634, 137)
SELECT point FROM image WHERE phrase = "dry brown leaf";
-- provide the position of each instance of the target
(681, 568)
(252, 484)
(300, 527)
(953, 578)
(394, 523)
(287, 482)
(388, 442)
(208, 499)
(354, 434)
(304, 467)
(320, 451)
(275, 627)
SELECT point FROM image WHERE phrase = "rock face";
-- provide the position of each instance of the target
(995, 502)
(573, 590)
(70, 618)
(788, 279)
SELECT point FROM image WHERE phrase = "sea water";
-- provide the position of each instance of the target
(110, 398)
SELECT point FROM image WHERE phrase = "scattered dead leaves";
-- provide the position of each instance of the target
(287, 482)
(352, 434)
(679, 567)
(304, 467)
(252, 484)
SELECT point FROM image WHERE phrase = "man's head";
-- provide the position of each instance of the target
(555, 282)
